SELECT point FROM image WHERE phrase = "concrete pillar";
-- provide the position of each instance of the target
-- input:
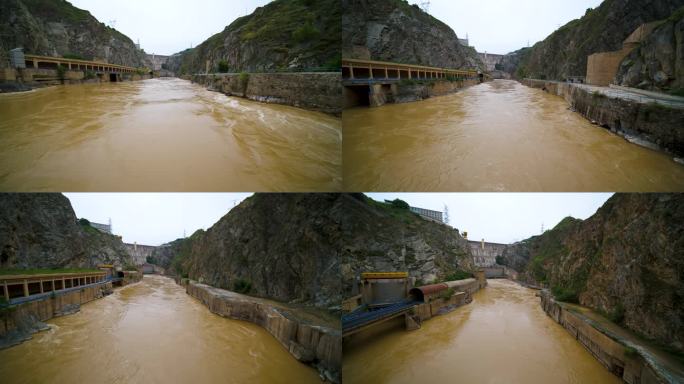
(35, 64)
(351, 72)
(53, 285)
(69, 66)
(370, 71)
(63, 283)
(409, 73)
(41, 286)
(6, 292)
(26, 291)
(386, 74)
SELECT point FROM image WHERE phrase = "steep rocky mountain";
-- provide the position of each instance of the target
(658, 64)
(57, 28)
(564, 53)
(41, 231)
(381, 237)
(279, 246)
(625, 261)
(292, 35)
(393, 30)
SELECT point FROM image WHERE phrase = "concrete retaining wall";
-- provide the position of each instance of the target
(311, 90)
(651, 125)
(631, 368)
(312, 344)
(18, 323)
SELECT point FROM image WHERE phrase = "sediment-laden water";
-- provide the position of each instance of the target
(503, 336)
(162, 135)
(151, 332)
(495, 136)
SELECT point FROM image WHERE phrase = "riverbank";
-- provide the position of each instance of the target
(503, 336)
(302, 336)
(628, 357)
(404, 91)
(27, 79)
(319, 91)
(20, 320)
(654, 124)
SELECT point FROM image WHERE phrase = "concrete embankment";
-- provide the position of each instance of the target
(376, 95)
(19, 322)
(649, 124)
(317, 345)
(13, 80)
(625, 355)
(318, 91)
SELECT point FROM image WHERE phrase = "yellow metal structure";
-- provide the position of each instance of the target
(384, 275)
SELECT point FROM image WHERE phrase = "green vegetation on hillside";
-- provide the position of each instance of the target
(284, 35)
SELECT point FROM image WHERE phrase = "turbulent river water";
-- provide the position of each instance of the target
(151, 332)
(503, 336)
(162, 135)
(495, 136)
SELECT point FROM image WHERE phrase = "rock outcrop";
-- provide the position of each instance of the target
(284, 35)
(278, 246)
(564, 53)
(393, 30)
(57, 28)
(658, 63)
(624, 261)
(41, 231)
(381, 237)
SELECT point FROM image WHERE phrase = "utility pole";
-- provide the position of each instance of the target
(542, 228)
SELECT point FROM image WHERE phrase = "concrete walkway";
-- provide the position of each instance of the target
(666, 364)
(632, 95)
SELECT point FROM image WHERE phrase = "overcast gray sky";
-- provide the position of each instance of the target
(504, 217)
(154, 218)
(165, 27)
(503, 26)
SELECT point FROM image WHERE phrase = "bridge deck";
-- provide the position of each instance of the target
(356, 321)
(35, 60)
(353, 69)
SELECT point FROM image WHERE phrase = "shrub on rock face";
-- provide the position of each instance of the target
(223, 66)
(242, 286)
(398, 203)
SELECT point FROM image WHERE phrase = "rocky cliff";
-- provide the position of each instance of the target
(279, 246)
(658, 63)
(57, 28)
(381, 237)
(564, 53)
(393, 30)
(284, 35)
(41, 231)
(625, 261)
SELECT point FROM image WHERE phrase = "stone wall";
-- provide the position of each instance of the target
(628, 364)
(12, 80)
(317, 345)
(652, 125)
(18, 323)
(139, 252)
(602, 67)
(484, 254)
(321, 91)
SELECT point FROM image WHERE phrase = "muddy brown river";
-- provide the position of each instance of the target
(503, 336)
(151, 332)
(495, 136)
(162, 135)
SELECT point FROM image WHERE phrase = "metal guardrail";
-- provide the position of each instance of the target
(356, 320)
(40, 296)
